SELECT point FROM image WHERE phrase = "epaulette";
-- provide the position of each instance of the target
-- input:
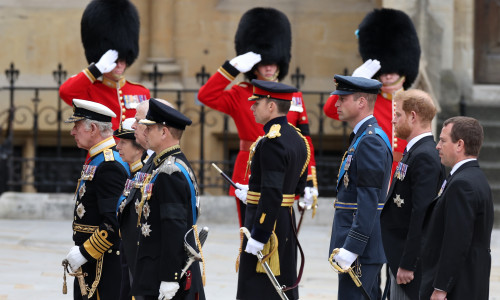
(108, 155)
(274, 131)
(168, 166)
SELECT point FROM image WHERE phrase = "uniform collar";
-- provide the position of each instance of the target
(114, 84)
(101, 146)
(136, 166)
(166, 153)
(360, 123)
(279, 120)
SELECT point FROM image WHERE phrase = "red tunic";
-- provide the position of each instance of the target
(234, 102)
(383, 112)
(121, 97)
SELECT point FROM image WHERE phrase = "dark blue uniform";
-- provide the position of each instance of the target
(362, 188)
(279, 173)
(95, 227)
(166, 214)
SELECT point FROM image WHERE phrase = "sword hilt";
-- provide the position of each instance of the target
(339, 269)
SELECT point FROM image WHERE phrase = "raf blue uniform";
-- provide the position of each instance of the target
(361, 190)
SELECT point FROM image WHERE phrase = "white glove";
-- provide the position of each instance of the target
(75, 258)
(345, 258)
(241, 192)
(308, 200)
(245, 62)
(254, 246)
(107, 62)
(368, 69)
(168, 290)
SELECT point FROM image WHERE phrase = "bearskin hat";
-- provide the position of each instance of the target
(265, 31)
(389, 36)
(110, 24)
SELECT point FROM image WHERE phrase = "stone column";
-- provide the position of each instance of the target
(161, 24)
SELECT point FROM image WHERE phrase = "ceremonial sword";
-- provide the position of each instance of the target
(354, 277)
(193, 254)
(269, 273)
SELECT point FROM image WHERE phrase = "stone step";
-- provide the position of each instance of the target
(490, 152)
(491, 170)
(483, 111)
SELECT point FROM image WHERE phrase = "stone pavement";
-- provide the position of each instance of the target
(31, 252)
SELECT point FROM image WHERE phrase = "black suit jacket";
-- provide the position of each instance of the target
(402, 224)
(456, 245)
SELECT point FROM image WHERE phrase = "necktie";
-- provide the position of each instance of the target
(351, 137)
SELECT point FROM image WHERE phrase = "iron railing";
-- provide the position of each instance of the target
(53, 166)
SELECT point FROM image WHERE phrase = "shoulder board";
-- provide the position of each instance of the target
(136, 83)
(274, 132)
(168, 166)
(108, 155)
(243, 84)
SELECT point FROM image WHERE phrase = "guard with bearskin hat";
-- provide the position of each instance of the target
(389, 46)
(263, 46)
(110, 37)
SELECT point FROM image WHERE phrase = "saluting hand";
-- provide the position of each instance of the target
(245, 62)
(107, 62)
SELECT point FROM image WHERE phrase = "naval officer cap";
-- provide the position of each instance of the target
(160, 113)
(125, 130)
(270, 89)
(85, 109)
(346, 85)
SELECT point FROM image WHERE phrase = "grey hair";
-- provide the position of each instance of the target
(105, 128)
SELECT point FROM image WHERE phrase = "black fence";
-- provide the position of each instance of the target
(54, 166)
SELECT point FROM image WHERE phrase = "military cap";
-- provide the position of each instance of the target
(84, 109)
(125, 130)
(346, 85)
(271, 89)
(160, 113)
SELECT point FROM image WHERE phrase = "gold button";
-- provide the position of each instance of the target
(118, 252)
(120, 91)
(75, 218)
(109, 251)
(124, 109)
(123, 117)
(74, 232)
(121, 98)
(137, 243)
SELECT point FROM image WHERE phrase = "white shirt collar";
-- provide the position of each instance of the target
(460, 163)
(414, 140)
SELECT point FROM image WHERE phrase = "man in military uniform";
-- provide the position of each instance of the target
(362, 186)
(127, 211)
(279, 161)
(388, 37)
(415, 183)
(167, 210)
(263, 44)
(110, 36)
(95, 227)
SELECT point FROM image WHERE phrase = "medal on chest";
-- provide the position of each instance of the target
(398, 200)
(131, 101)
(129, 184)
(88, 172)
(442, 188)
(401, 170)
